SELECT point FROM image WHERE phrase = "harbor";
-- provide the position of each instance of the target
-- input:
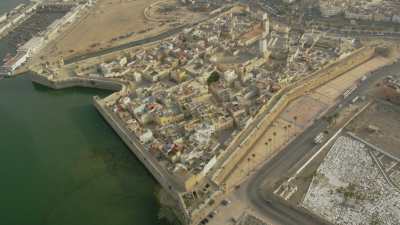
(29, 27)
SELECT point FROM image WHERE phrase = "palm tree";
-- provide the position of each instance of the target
(288, 131)
(248, 166)
(286, 128)
(273, 134)
(270, 142)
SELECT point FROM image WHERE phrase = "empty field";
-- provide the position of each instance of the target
(385, 118)
(115, 22)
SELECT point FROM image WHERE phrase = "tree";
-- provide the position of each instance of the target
(214, 77)
(382, 51)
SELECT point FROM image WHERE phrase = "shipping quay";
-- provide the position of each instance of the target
(206, 108)
(29, 27)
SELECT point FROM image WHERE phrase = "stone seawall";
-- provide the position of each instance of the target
(167, 181)
(77, 82)
(137, 148)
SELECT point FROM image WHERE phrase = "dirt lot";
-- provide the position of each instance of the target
(114, 22)
(385, 118)
(305, 109)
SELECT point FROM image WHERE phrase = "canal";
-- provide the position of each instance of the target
(62, 164)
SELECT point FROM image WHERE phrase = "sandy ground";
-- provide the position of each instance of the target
(384, 116)
(277, 137)
(114, 22)
(294, 120)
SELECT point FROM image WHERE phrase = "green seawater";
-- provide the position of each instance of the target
(62, 164)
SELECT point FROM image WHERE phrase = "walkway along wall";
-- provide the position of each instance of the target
(240, 147)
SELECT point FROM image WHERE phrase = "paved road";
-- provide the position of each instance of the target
(148, 40)
(266, 202)
(125, 46)
(258, 188)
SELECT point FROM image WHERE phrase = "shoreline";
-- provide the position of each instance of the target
(77, 82)
(165, 180)
(231, 158)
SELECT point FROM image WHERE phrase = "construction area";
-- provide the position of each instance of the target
(380, 125)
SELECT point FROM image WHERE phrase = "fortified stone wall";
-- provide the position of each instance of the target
(313, 81)
(131, 141)
(136, 147)
(77, 82)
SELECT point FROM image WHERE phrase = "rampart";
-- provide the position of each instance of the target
(137, 148)
(78, 82)
(240, 147)
(242, 144)
(169, 183)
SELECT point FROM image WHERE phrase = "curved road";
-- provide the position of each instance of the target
(148, 40)
(127, 45)
(265, 201)
(259, 187)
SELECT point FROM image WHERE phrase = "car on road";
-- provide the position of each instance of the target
(212, 214)
(225, 202)
(319, 138)
(203, 222)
